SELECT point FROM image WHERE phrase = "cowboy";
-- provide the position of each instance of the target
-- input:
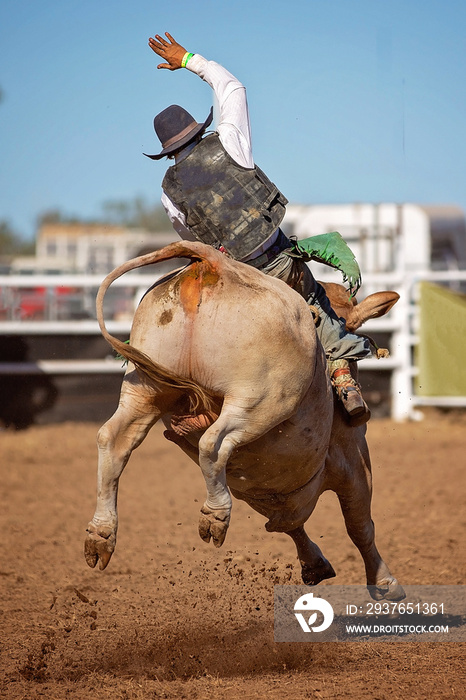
(214, 193)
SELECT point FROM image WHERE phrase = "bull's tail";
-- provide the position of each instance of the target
(182, 249)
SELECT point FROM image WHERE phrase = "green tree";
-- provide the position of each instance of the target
(11, 243)
(56, 216)
(136, 213)
(131, 213)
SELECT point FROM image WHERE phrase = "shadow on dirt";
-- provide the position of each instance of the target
(170, 654)
(175, 654)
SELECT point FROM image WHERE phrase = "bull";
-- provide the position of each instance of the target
(228, 358)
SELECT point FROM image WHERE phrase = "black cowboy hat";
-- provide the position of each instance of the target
(175, 128)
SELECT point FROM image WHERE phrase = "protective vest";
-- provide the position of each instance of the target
(224, 204)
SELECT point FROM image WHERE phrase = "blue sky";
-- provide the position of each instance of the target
(349, 100)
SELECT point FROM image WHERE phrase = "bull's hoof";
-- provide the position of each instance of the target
(213, 524)
(99, 545)
(389, 589)
(314, 574)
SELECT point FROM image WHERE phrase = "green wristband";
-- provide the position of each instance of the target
(185, 59)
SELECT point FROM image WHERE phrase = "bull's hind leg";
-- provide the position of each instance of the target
(116, 440)
(215, 448)
(237, 425)
(314, 566)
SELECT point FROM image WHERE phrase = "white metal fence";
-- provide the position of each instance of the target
(49, 305)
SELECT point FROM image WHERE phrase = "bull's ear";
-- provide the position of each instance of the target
(373, 306)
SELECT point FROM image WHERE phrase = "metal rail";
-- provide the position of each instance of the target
(402, 326)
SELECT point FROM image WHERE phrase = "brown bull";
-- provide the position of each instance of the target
(221, 339)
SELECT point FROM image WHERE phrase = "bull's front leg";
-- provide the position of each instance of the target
(314, 566)
(116, 441)
(355, 502)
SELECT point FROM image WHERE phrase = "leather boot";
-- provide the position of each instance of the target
(348, 392)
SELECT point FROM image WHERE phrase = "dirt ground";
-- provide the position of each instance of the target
(173, 617)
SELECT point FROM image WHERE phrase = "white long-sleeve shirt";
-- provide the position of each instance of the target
(233, 129)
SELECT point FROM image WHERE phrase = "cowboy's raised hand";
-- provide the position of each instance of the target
(170, 50)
